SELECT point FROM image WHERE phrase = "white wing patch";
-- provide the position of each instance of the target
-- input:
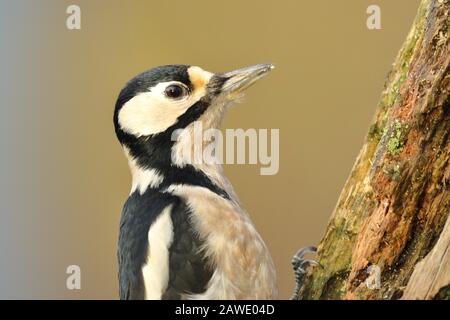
(156, 270)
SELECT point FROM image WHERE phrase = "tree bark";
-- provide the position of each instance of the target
(390, 217)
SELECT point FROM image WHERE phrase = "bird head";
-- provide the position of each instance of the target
(156, 102)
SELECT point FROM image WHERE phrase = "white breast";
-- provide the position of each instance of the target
(156, 269)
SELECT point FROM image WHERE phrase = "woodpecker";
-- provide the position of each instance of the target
(183, 233)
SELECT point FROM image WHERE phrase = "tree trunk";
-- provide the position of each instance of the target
(390, 217)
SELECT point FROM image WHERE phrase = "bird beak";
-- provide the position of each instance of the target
(237, 81)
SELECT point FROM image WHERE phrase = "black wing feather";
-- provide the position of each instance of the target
(189, 272)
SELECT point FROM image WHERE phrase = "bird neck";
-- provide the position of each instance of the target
(150, 173)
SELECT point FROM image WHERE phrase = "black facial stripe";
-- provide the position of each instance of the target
(188, 176)
(155, 150)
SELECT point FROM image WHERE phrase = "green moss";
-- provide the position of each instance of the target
(395, 143)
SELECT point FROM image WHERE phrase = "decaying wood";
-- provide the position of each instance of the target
(432, 274)
(393, 207)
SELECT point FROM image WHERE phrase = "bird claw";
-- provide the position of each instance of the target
(301, 267)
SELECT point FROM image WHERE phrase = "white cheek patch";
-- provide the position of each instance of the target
(152, 112)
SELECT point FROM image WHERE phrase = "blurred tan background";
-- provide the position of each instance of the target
(64, 177)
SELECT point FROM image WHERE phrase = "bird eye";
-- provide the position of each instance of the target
(175, 91)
